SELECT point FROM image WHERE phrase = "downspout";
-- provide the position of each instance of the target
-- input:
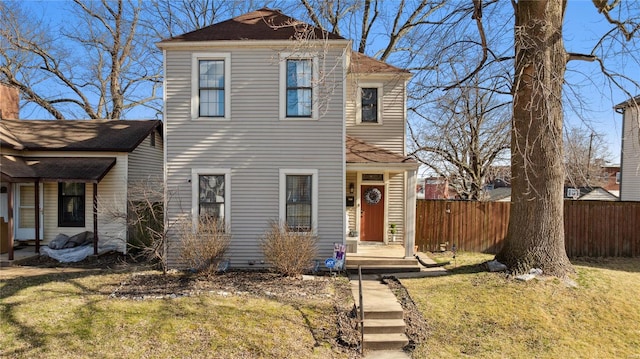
(95, 218)
(10, 218)
(36, 186)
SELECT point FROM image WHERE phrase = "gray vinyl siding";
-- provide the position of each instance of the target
(254, 144)
(391, 133)
(630, 172)
(146, 162)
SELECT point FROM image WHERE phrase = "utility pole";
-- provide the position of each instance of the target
(589, 158)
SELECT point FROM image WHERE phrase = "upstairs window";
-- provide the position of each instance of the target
(299, 88)
(210, 86)
(71, 197)
(369, 105)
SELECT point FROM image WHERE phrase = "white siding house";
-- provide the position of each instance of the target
(67, 166)
(630, 157)
(257, 118)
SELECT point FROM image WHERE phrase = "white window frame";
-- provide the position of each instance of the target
(618, 176)
(284, 172)
(195, 190)
(377, 85)
(195, 93)
(284, 56)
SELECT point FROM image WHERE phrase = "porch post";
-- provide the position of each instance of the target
(95, 218)
(36, 187)
(10, 218)
(410, 214)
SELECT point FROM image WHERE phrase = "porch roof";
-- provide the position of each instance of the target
(359, 152)
(55, 169)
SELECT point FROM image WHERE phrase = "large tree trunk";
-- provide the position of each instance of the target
(535, 237)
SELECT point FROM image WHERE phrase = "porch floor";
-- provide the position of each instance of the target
(387, 258)
(19, 253)
(378, 250)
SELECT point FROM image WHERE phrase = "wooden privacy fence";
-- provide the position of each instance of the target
(592, 228)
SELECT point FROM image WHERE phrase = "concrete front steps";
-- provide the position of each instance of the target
(382, 265)
(383, 324)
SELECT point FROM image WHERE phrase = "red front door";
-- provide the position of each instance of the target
(372, 213)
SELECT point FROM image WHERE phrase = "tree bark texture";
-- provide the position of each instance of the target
(535, 237)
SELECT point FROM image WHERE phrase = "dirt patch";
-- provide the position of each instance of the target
(417, 327)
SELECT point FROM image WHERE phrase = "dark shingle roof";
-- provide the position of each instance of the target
(80, 169)
(358, 151)
(76, 135)
(634, 101)
(263, 24)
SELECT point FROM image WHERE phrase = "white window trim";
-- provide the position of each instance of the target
(314, 194)
(195, 183)
(284, 56)
(376, 85)
(195, 97)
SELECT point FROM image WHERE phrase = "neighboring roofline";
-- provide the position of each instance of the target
(627, 103)
(242, 43)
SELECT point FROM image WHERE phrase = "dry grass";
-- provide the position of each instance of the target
(72, 315)
(477, 314)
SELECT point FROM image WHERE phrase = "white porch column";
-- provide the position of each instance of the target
(410, 213)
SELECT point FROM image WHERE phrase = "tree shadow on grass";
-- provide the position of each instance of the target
(9, 310)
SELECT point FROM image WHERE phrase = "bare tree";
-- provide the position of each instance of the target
(96, 66)
(464, 135)
(585, 155)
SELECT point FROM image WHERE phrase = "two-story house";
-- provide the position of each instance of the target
(630, 156)
(268, 118)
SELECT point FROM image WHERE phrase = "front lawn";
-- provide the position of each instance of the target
(100, 314)
(475, 314)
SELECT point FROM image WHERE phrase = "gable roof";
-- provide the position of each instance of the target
(76, 135)
(358, 151)
(361, 63)
(263, 24)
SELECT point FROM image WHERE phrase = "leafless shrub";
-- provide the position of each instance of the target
(289, 252)
(204, 247)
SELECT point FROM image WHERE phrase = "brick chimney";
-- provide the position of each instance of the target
(9, 102)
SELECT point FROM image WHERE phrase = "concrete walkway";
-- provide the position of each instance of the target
(378, 298)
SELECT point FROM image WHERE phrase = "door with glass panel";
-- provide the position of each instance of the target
(24, 211)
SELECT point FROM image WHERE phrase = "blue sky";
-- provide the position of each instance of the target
(583, 26)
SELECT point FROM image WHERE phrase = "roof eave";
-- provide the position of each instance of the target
(175, 45)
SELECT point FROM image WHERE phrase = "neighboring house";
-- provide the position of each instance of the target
(268, 118)
(612, 180)
(630, 156)
(53, 172)
(437, 188)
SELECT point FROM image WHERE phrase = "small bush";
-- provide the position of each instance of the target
(290, 253)
(204, 248)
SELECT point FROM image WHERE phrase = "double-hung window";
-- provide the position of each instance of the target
(369, 104)
(210, 85)
(71, 198)
(299, 199)
(298, 90)
(211, 192)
